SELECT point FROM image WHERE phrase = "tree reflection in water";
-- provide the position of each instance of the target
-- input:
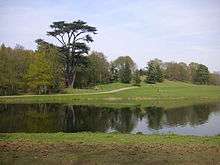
(76, 118)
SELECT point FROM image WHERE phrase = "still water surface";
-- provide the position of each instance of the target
(194, 120)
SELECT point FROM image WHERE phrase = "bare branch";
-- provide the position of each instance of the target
(82, 38)
(59, 40)
(79, 33)
(62, 39)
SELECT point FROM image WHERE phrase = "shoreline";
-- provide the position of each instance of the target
(102, 148)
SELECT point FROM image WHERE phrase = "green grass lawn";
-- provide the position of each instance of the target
(167, 94)
(103, 138)
(97, 88)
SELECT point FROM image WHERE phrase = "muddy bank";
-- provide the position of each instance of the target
(25, 152)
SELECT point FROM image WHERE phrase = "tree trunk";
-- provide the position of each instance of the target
(73, 78)
(70, 78)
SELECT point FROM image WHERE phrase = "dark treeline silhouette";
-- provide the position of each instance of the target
(52, 68)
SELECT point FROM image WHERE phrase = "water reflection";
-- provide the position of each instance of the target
(195, 120)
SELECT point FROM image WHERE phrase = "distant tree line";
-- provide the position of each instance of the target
(157, 71)
(42, 71)
(52, 68)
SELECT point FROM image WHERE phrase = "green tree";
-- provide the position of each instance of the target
(136, 78)
(192, 71)
(142, 72)
(151, 73)
(176, 71)
(114, 73)
(13, 67)
(94, 71)
(73, 37)
(154, 72)
(122, 69)
(214, 79)
(125, 73)
(83, 76)
(160, 75)
(202, 74)
(45, 73)
(99, 68)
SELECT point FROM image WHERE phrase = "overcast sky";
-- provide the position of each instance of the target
(171, 30)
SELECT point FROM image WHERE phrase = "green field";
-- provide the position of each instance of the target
(101, 148)
(97, 88)
(168, 94)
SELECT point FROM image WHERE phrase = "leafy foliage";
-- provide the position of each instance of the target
(99, 67)
(125, 73)
(154, 72)
(202, 74)
(13, 67)
(214, 79)
(136, 78)
(94, 71)
(176, 71)
(45, 73)
(122, 69)
(73, 37)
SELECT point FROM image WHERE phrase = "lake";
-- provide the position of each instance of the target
(193, 120)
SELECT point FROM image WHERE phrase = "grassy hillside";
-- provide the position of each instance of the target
(97, 88)
(167, 94)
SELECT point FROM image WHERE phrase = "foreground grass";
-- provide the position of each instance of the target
(101, 148)
(167, 94)
(108, 138)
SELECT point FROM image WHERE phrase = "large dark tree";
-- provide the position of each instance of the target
(125, 73)
(202, 74)
(154, 71)
(73, 38)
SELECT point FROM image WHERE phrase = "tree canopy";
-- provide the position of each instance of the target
(45, 73)
(202, 74)
(154, 71)
(122, 69)
(73, 38)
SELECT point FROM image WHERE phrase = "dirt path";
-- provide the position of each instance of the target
(73, 94)
(105, 92)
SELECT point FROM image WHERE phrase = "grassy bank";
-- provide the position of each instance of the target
(167, 94)
(101, 148)
(108, 138)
